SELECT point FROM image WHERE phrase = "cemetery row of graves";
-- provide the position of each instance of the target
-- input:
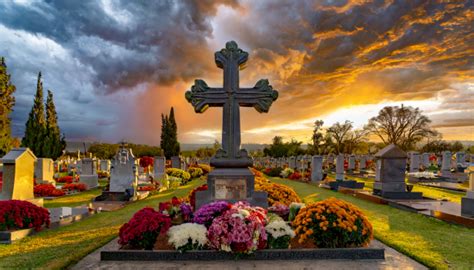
(126, 181)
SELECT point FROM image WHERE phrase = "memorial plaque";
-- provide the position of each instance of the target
(235, 189)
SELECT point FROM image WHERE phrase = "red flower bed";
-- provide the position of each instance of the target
(1, 180)
(146, 188)
(74, 186)
(143, 229)
(47, 190)
(192, 195)
(15, 214)
(295, 176)
(66, 179)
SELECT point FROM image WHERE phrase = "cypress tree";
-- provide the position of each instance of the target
(169, 135)
(36, 123)
(54, 144)
(7, 100)
(175, 147)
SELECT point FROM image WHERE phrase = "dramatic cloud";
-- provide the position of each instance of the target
(115, 66)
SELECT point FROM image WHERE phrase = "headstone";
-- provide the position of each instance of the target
(414, 162)
(159, 167)
(460, 157)
(352, 163)
(88, 174)
(362, 163)
(124, 170)
(316, 169)
(340, 167)
(44, 171)
(467, 203)
(231, 179)
(105, 165)
(446, 163)
(176, 162)
(18, 171)
(425, 159)
(292, 163)
(390, 174)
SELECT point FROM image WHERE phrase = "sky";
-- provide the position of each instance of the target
(115, 66)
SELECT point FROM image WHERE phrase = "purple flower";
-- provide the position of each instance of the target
(208, 212)
(186, 210)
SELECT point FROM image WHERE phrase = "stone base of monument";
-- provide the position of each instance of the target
(467, 204)
(267, 254)
(92, 181)
(398, 195)
(334, 185)
(115, 196)
(233, 185)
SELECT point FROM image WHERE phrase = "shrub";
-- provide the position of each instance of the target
(240, 229)
(143, 229)
(47, 190)
(278, 193)
(185, 176)
(333, 223)
(16, 214)
(188, 236)
(195, 172)
(273, 172)
(74, 187)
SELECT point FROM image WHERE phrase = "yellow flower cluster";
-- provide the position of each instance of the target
(333, 223)
(277, 193)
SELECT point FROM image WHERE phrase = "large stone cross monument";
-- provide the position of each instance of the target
(231, 180)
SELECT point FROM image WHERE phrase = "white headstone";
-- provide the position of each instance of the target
(44, 171)
(124, 171)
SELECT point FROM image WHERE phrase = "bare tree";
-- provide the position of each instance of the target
(340, 133)
(403, 126)
(318, 137)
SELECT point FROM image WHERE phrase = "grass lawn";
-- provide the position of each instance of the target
(435, 243)
(62, 247)
(429, 192)
(76, 199)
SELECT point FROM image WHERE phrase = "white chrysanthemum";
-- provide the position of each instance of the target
(279, 228)
(180, 234)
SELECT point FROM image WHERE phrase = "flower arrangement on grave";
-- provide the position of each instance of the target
(208, 212)
(146, 162)
(146, 188)
(195, 172)
(240, 229)
(273, 172)
(178, 210)
(332, 223)
(183, 175)
(294, 209)
(74, 187)
(67, 179)
(205, 168)
(188, 236)
(47, 190)
(191, 199)
(280, 209)
(279, 233)
(256, 172)
(287, 172)
(143, 229)
(295, 176)
(16, 214)
(103, 174)
(278, 194)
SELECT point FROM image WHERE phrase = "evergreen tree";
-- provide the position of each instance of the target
(36, 123)
(7, 100)
(169, 135)
(54, 144)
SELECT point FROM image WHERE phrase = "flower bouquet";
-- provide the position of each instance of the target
(178, 210)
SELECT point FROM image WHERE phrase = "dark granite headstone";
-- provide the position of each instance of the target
(231, 179)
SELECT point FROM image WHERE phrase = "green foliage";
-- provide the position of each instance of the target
(53, 143)
(108, 151)
(7, 100)
(195, 172)
(280, 149)
(439, 146)
(169, 135)
(36, 124)
(274, 172)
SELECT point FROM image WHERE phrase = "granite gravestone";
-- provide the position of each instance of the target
(316, 169)
(123, 171)
(105, 165)
(44, 171)
(18, 171)
(159, 167)
(446, 164)
(460, 157)
(231, 179)
(425, 159)
(414, 162)
(362, 163)
(340, 167)
(176, 162)
(467, 203)
(88, 173)
(352, 163)
(390, 174)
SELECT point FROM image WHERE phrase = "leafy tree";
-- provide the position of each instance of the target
(456, 146)
(317, 146)
(169, 135)
(340, 133)
(403, 126)
(36, 123)
(103, 150)
(7, 100)
(54, 143)
(280, 149)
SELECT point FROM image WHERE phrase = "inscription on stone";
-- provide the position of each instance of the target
(235, 189)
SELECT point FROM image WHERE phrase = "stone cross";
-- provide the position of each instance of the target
(231, 97)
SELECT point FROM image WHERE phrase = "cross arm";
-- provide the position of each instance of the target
(261, 96)
(201, 96)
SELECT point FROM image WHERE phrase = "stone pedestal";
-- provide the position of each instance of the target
(233, 185)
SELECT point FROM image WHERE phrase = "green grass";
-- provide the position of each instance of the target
(434, 243)
(82, 198)
(65, 246)
(429, 192)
